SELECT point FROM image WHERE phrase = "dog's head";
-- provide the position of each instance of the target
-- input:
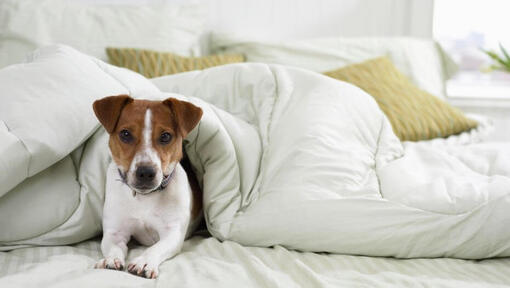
(146, 136)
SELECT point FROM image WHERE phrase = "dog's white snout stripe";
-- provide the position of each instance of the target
(147, 155)
(147, 129)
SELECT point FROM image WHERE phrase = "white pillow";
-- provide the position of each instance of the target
(91, 27)
(422, 60)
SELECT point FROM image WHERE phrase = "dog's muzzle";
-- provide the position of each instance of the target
(146, 175)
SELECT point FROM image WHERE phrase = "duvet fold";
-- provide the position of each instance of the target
(285, 157)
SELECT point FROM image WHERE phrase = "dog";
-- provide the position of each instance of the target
(149, 195)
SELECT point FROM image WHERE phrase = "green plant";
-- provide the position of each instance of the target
(501, 62)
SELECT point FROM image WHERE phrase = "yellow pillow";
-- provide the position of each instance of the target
(154, 64)
(414, 114)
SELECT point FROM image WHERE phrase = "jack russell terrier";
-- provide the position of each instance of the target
(149, 195)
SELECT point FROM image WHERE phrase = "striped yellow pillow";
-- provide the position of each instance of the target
(154, 64)
(414, 114)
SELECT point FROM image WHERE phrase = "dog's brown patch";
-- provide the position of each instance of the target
(118, 113)
(108, 110)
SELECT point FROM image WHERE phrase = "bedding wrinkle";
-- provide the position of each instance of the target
(271, 175)
(207, 261)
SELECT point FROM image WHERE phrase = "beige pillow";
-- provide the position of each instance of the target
(414, 114)
(154, 64)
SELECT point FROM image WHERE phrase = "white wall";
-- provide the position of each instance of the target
(294, 19)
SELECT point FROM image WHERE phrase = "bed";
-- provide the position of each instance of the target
(458, 229)
(207, 262)
(57, 241)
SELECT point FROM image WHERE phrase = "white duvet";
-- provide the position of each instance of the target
(321, 170)
(290, 157)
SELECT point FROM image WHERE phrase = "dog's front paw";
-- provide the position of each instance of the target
(141, 266)
(110, 263)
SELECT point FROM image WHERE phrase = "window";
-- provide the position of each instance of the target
(463, 27)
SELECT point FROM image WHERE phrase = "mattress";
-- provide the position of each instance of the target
(207, 262)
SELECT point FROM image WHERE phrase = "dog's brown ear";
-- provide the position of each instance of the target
(186, 114)
(108, 110)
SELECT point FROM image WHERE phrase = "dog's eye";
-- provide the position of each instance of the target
(125, 136)
(165, 138)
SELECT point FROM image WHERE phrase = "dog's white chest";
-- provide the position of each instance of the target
(148, 216)
(144, 232)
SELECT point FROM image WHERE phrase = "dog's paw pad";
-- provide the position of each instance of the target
(110, 263)
(142, 268)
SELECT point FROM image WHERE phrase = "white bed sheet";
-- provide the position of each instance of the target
(207, 262)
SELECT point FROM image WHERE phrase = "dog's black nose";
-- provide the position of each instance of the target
(145, 174)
